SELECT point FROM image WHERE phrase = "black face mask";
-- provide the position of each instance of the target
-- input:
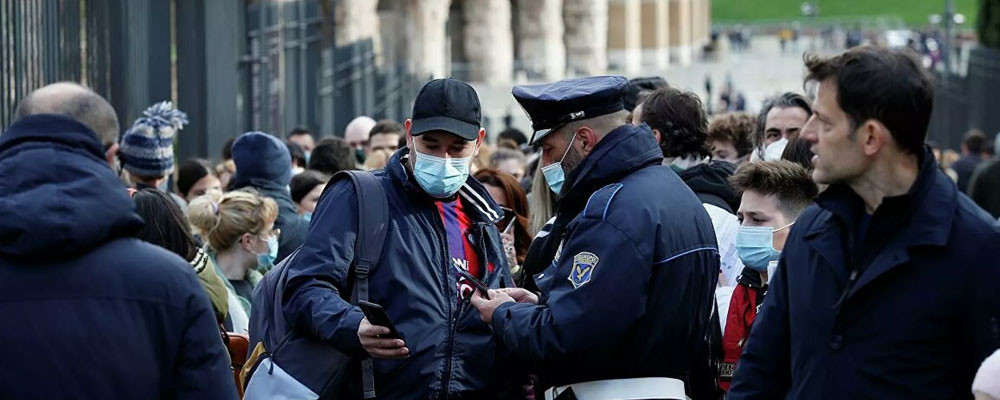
(359, 154)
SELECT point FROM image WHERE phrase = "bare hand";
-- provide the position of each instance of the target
(487, 306)
(519, 295)
(508, 248)
(378, 347)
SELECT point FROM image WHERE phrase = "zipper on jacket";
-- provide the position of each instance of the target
(449, 299)
(852, 264)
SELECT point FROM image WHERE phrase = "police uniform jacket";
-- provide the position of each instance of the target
(629, 270)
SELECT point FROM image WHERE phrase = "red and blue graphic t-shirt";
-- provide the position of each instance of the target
(463, 254)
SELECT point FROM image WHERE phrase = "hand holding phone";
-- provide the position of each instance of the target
(380, 339)
(376, 316)
(485, 290)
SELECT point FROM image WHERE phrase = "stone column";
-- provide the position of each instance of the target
(427, 39)
(489, 41)
(586, 37)
(706, 20)
(699, 24)
(540, 38)
(356, 20)
(656, 33)
(625, 29)
(680, 32)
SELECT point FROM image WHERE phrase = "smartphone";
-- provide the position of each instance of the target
(507, 220)
(376, 316)
(475, 282)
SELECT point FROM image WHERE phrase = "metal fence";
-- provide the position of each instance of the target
(964, 102)
(232, 65)
(86, 41)
(39, 42)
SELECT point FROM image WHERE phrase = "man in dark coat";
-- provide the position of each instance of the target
(630, 265)
(442, 231)
(88, 310)
(264, 164)
(887, 288)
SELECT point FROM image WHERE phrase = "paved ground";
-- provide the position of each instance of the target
(762, 72)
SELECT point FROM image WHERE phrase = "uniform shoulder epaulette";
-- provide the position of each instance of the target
(599, 202)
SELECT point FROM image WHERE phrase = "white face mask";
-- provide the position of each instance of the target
(773, 151)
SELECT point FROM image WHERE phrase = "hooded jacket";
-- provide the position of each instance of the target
(632, 265)
(710, 182)
(452, 351)
(88, 311)
(263, 163)
(905, 309)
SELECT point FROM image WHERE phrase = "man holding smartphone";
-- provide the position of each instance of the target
(441, 239)
(629, 266)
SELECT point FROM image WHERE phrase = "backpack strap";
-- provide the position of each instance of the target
(373, 222)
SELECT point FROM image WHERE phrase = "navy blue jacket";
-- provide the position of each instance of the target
(451, 349)
(631, 275)
(89, 312)
(919, 318)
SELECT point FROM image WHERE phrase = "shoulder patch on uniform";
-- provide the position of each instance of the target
(583, 268)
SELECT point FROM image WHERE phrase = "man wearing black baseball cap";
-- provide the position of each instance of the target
(444, 134)
(442, 238)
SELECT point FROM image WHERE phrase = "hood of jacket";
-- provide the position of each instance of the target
(710, 182)
(58, 197)
(262, 161)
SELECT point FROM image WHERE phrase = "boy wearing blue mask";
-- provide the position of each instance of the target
(774, 194)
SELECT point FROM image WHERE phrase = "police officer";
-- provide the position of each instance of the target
(629, 265)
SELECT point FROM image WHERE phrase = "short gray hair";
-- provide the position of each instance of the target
(76, 102)
(602, 125)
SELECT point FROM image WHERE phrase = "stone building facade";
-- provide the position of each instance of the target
(494, 41)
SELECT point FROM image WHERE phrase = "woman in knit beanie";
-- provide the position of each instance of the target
(147, 148)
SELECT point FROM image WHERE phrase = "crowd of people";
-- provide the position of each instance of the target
(630, 245)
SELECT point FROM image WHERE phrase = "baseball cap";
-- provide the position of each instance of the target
(447, 105)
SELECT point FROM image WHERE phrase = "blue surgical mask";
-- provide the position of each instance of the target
(440, 177)
(308, 216)
(308, 155)
(554, 174)
(755, 246)
(266, 261)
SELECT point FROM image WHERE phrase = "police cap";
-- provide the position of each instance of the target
(552, 105)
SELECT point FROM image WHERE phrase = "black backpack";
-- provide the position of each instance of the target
(288, 364)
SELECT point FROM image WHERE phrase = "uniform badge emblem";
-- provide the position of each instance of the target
(583, 268)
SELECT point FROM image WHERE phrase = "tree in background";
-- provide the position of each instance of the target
(988, 24)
